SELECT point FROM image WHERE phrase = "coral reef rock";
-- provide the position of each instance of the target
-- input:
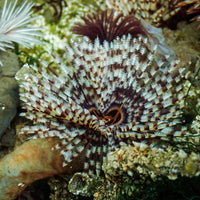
(9, 99)
(153, 162)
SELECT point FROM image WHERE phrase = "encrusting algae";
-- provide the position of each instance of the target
(119, 97)
(151, 161)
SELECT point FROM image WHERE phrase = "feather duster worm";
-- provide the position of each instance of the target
(107, 25)
(157, 12)
(194, 8)
(117, 91)
(14, 27)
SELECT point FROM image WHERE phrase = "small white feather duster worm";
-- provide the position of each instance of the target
(14, 27)
(117, 91)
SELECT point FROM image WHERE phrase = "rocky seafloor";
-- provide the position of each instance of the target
(132, 172)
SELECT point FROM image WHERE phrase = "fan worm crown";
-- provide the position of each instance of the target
(107, 25)
(116, 91)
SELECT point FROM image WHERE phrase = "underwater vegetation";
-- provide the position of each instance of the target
(109, 103)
